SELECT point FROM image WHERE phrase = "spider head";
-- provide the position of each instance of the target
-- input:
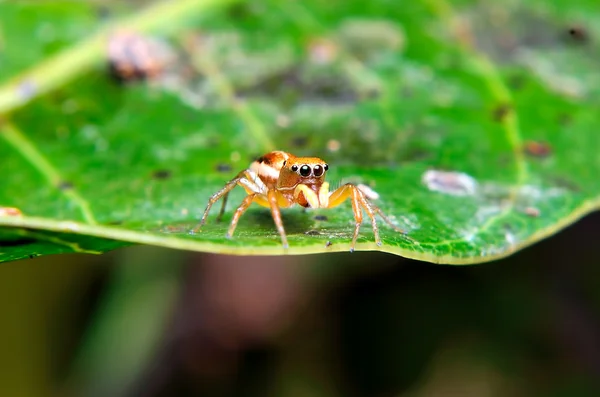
(302, 170)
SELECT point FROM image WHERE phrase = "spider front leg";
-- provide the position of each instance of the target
(274, 198)
(239, 212)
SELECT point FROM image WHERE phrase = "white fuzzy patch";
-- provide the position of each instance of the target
(450, 182)
(263, 170)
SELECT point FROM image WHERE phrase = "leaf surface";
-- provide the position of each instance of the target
(474, 122)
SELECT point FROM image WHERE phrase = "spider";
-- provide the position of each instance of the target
(278, 180)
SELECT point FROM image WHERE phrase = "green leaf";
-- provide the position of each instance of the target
(474, 122)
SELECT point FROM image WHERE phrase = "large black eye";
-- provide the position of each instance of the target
(318, 170)
(326, 166)
(294, 168)
(305, 170)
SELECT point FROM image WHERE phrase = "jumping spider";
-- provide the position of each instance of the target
(279, 180)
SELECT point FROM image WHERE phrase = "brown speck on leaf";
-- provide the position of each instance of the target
(161, 174)
(532, 212)
(578, 34)
(328, 243)
(501, 111)
(537, 149)
(320, 217)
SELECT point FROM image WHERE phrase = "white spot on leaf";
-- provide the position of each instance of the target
(450, 182)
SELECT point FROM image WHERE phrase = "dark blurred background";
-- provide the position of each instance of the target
(145, 321)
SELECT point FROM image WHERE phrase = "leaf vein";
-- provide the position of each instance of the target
(19, 141)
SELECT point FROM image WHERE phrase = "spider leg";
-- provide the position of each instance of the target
(222, 210)
(369, 209)
(272, 196)
(341, 194)
(359, 201)
(250, 182)
(358, 216)
(239, 212)
(224, 192)
(387, 220)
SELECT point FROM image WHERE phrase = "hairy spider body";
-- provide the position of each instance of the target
(280, 180)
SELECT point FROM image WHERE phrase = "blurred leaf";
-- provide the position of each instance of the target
(500, 98)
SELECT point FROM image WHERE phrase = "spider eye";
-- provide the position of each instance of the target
(305, 170)
(318, 170)
(294, 168)
(326, 166)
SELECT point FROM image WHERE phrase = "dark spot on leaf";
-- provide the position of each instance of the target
(31, 256)
(213, 142)
(299, 141)
(372, 93)
(320, 217)
(240, 11)
(537, 149)
(406, 92)
(65, 185)
(417, 154)
(295, 84)
(223, 167)
(578, 34)
(565, 183)
(114, 223)
(312, 233)
(517, 82)
(103, 12)
(505, 160)
(564, 119)
(161, 174)
(501, 111)
(328, 243)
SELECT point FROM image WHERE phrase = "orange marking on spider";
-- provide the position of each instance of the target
(280, 180)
